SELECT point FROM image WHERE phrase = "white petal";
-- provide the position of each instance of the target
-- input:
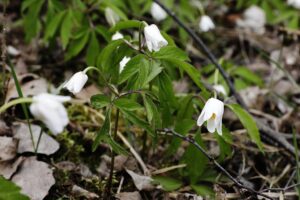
(211, 127)
(200, 120)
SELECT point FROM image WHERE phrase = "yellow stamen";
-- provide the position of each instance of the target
(213, 116)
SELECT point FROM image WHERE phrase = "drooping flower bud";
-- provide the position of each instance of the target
(154, 39)
(76, 82)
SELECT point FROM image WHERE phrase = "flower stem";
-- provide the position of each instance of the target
(14, 102)
(111, 88)
(109, 184)
(216, 77)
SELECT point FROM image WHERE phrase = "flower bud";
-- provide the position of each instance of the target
(154, 39)
(206, 23)
(76, 82)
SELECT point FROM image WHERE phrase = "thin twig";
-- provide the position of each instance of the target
(211, 159)
(269, 135)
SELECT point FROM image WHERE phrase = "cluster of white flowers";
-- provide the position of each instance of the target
(294, 3)
(50, 110)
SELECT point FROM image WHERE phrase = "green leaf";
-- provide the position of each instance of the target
(204, 191)
(102, 30)
(136, 120)
(171, 52)
(104, 131)
(193, 73)
(249, 123)
(117, 148)
(155, 69)
(127, 104)
(53, 25)
(9, 191)
(106, 57)
(131, 68)
(99, 101)
(92, 50)
(77, 45)
(66, 29)
(248, 75)
(168, 184)
(125, 25)
(152, 111)
(191, 157)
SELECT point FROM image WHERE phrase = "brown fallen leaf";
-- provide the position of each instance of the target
(87, 93)
(31, 85)
(47, 144)
(80, 192)
(141, 182)
(8, 168)
(4, 129)
(35, 178)
(8, 148)
(129, 196)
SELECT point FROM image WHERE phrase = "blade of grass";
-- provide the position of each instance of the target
(24, 107)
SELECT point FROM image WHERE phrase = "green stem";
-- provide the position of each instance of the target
(20, 93)
(216, 81)
(39, 140)
(109, 184)
(14, 102)
(102, 77)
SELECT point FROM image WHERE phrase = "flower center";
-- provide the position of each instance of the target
(213, 116)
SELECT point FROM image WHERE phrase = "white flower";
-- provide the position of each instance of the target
(123, 63)
(212, 113)
(294, 3)
(76, 82)
(13, 51)
(154, 39)
(220, 89)
(254, 18)
(49, 109)
(206, 23)
(111, 17)
(157, 12)
(117, 36)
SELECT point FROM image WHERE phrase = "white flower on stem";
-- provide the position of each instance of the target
(123, 63)
(254, 18)
(206, 23)
(76, 82)
(49, 109)
(294, 3)
(154, 39)
(117, 36)
(111, 17)
(212, 113)
(220, 89)
(157, 12)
